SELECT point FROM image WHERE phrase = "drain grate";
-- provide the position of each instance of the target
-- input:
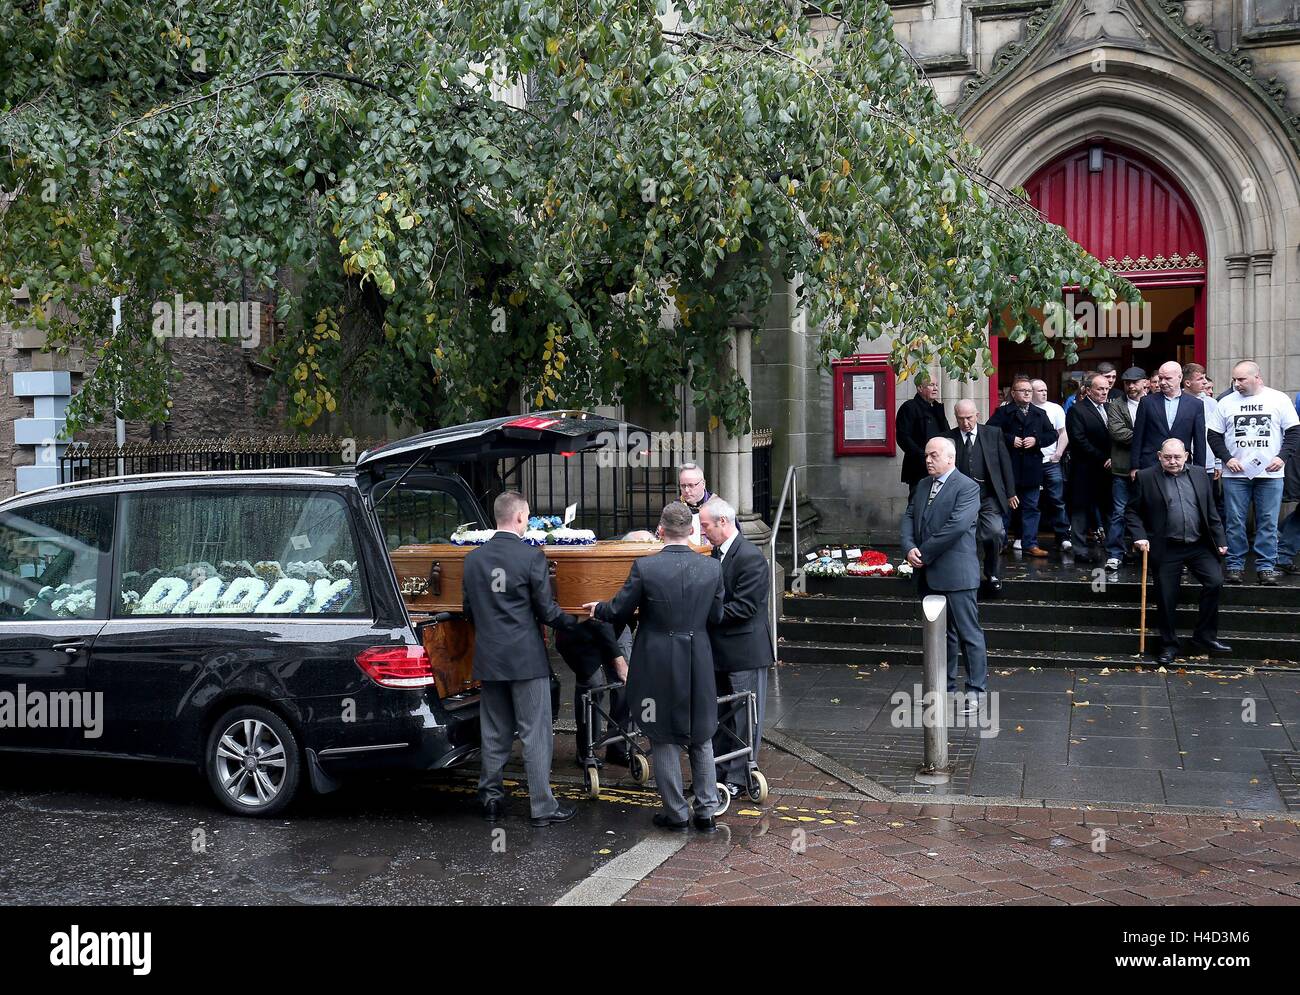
(891, 761)
(1285, 768)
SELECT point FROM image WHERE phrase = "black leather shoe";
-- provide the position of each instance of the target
(617, 758)
(1166, 657)
(1213, 647)
(1232, 576)
(663, 822)
(1086, 557)
(562, 813)
(494, 811)
(705, 823)
(1288, 568)
(1268, 578)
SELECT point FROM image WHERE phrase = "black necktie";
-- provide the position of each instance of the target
(965, 455)
(717, 552)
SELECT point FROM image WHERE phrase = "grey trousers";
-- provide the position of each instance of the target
(505, 706)
(668, 776)
(736, 770)
(966, 638)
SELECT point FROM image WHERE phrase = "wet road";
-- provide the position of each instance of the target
(79, 831)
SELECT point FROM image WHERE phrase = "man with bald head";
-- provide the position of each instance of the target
(1172, 514)
(938, 535)
(1261, 434)
(982, 455)
(1168, 413)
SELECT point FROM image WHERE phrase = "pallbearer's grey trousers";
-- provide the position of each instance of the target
(668, 775)
(505, 706)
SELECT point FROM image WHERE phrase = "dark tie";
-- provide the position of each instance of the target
(717, 552)
(965, 455)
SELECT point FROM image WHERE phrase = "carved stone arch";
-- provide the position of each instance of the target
(1191, 114)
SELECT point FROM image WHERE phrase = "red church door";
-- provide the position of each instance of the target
(1136, 218)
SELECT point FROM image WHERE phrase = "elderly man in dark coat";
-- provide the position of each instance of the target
(670, 685)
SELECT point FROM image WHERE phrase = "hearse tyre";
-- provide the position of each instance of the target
(253, 761)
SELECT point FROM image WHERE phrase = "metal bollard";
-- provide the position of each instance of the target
(934, 612)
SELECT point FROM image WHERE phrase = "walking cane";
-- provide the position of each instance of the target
(1142, 620)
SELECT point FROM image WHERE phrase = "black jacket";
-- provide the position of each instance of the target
(743, 639)
(506, 593)
(1150, 429)
(1147, 513)
(999, 476)
(1026, 464)
(1090, 442)
(591, 645)
(671, 692)
(917, 423)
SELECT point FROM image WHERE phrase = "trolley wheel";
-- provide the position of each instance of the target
(724, 799)
(757, 786)
(591, 777)
(639, 767)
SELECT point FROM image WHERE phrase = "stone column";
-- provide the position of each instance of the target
(1222, 342)
(733, 478)
(1262, 350)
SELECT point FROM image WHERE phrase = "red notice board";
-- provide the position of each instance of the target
(864, 406)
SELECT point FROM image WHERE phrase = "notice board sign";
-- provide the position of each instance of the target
(863, 406)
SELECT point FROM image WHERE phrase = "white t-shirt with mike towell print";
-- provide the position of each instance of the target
(1253, 427)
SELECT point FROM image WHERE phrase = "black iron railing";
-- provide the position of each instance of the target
(762, 468)
(88, 462)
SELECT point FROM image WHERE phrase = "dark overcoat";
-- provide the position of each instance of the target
(671, 692)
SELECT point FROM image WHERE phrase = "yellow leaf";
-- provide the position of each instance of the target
(713, 422)
(552, 46)
(845, 167)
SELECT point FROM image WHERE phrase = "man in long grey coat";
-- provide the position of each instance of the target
(670, 686)
(939, 536)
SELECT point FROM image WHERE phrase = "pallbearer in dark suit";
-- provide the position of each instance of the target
(507, 593)
(1172, 513)
(982, 455)
(1089, 430)
(939, 536)
(670, 686)
(742, 641)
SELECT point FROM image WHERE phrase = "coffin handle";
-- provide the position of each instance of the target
(435, 579)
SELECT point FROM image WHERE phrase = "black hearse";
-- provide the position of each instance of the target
(247, 622)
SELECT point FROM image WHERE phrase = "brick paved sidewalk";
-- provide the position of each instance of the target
(840, 848)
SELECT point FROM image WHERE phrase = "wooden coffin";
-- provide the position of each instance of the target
(430, 578)
(430, 575)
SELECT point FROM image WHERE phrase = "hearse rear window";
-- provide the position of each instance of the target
(271, 552)
(51, 556)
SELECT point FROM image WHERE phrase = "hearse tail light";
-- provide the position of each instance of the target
(397, 666)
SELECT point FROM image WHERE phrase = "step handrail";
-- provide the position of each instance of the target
(789, 489)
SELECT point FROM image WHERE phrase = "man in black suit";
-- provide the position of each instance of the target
(1088, 428)
(982, 455)
(919, 419)
(742, 641)
(1025, 429)
(670, 685)
(1172, 513)
(1168, 413)
(506, 593)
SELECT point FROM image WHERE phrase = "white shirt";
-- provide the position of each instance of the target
(726, 546)
(1254, 426)
(1056, 415)
(1213, 423)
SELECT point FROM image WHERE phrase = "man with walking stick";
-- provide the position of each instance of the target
(1172, 515)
